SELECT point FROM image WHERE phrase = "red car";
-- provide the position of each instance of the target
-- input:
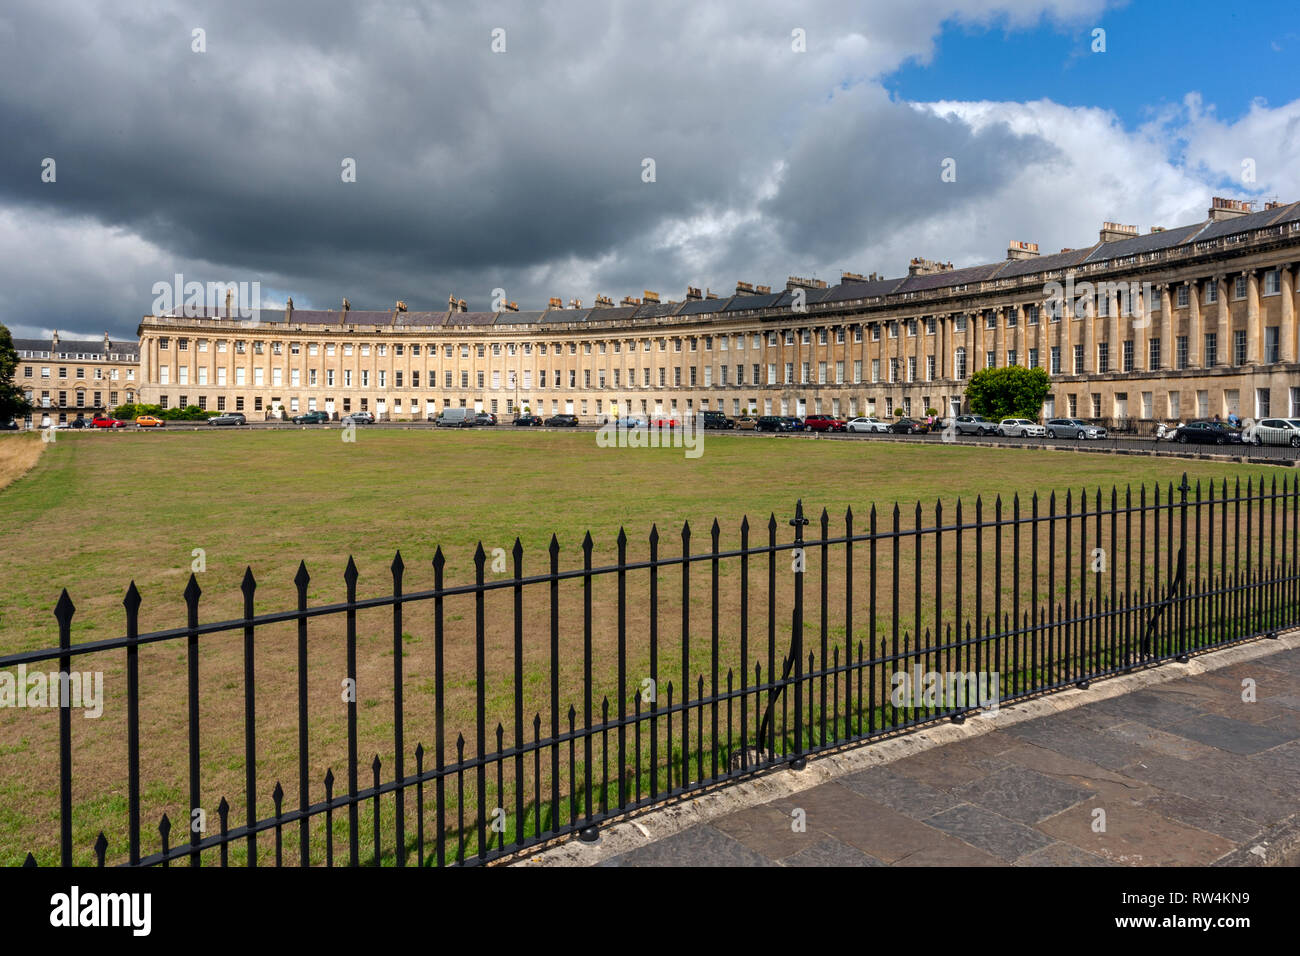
(825, 423)
(100, 422)
(661, 422)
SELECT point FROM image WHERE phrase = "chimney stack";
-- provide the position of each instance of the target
(926, 267)
(651, 296)
(710, 295)
(1221, 209)
(510, 307)
(400, 306)
(693, 294)
(288, 309)
(797, 282)
(1021, 250)
(604, 302)
(556, 302)
(629, 301)
(1113, 232)
(744, 288)
(347, 307)
(107, 343)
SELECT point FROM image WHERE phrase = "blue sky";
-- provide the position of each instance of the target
(522, 169)
(1157, 51)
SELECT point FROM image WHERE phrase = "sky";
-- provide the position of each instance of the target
(596, 148)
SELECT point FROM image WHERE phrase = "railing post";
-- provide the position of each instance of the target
(798, 761)
(1182, 571)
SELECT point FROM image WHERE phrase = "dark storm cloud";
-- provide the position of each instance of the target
(474, 169)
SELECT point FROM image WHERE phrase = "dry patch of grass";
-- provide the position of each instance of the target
(18, 453)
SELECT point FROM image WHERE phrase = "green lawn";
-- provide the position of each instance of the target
(99, 511)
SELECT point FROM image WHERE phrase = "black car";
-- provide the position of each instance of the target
(1208, 433)
(717, 420)
(78, 422)
(311, 418)
(778, 423)
(529, 420)
(562, 421)
(229, 418)
(485, 418)
(9, 426)
(908, 426)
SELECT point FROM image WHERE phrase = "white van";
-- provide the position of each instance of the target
(457, 418)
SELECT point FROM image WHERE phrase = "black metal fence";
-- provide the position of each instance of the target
(685, 687)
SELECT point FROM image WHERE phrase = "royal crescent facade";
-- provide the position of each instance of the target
(1170, 324)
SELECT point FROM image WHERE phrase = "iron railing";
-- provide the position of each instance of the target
(1040, 595)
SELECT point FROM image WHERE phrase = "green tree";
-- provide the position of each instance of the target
(1013, 392)
(12, 403)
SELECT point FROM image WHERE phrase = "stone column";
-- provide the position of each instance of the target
(1254, 320)
(1166, 327)
(1141, 332)
(1195, 335)
(941, 337)
(1063, 338)
(1223, 334)
(1087, 336)
(1115, 347)
(1287, 334)
(1019, 313)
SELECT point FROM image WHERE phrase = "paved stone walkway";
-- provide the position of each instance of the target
(1183, 773)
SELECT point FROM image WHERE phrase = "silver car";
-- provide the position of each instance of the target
(1274, 431)
(1073, 428)
(1020, 428)
(866, 424)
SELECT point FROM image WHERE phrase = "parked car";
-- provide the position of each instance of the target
(311, 418)
(717, 419)
(1208, 433)
(562, 421)
(78, 422)
(103, 421)
(229, 418)
(661, 421)
(746, 423)
(150, 421)
(9, 426)
(796, 424)
(631, 421)
(1073, 428)
(485, 418)
(825, 423)
(357, 418)
(909, 426)
(1276, 431)
(866, 424)
(529, 421)
(775, 423)
(1021, 428)
(973, 425)
(457, 418)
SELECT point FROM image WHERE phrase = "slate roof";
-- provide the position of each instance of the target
(1151, 242)
(566, 315)
(656, 310)
(703, 306)
(740, 303)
